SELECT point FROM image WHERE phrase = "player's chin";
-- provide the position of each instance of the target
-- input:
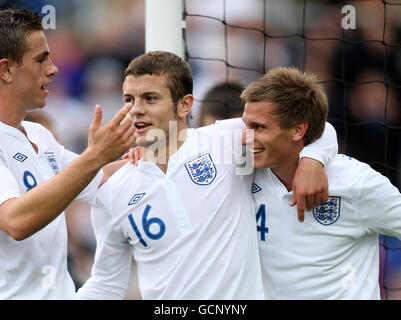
(42, 105)
(141, 141)
(41, 102)
(36, 105)
(260, 162)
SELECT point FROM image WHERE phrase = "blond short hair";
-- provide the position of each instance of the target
(297, 96)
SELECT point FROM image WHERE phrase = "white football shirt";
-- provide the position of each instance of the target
(191, 231)
(334, 253)
(36, 267)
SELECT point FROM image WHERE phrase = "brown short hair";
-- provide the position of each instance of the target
(297, 95)
(223, 101)
(15, 25)
(177, 71)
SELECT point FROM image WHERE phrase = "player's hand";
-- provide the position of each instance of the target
(110, 141)
(133, 155)
(310, 186)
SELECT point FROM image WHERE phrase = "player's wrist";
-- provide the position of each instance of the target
(311, 161)
(93, 160)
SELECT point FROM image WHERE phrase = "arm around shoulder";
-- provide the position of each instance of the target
(323, 149)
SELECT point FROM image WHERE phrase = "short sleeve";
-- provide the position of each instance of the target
(8, 187)
(379, 203)
(87, 195)
(323, 149)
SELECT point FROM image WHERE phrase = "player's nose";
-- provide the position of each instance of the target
(247, 136)
(138, 108)
(53, 70)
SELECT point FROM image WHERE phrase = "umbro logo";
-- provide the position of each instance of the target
(136, 198)
(255, 188)
(20, 157)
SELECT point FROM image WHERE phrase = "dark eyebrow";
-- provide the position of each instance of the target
(150, 92)
(144, 94)
(257, 123)
(127, 95)
(43, 54)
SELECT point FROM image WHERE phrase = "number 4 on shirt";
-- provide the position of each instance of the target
(261, 215)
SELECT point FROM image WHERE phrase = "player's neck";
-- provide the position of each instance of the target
(164, 151)
(9, 113)
(14, 118)
(285, 172)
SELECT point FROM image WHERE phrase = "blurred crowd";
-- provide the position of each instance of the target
(359, 68)
(228, 45)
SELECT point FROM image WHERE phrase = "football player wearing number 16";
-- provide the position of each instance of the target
(39, 178)
(187, 219)
(334, 253)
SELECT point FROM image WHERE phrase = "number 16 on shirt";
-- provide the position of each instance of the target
(146, 223)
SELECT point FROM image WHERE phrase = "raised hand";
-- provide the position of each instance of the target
(110, 141)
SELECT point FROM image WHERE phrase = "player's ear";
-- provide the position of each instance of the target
(298, 131)
(185, 105)
(6, 70)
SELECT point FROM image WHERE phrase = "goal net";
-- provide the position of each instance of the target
(353, 47)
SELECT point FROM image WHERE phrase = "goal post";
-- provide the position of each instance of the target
(163, 26)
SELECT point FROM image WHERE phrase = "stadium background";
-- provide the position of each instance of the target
(234, 41)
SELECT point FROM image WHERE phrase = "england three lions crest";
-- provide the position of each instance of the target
(201, 169)
(51, 159)
(328, 212)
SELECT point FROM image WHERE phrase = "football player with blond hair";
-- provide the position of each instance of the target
(334, 253)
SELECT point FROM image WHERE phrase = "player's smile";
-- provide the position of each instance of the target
(142, 126)
(44, 88)
(256, 151)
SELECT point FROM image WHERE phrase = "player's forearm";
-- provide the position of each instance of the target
(23, 216)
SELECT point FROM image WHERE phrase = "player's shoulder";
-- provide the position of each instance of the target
(116, 184)
(33, 126)
(36, 129)
(122, 174)
(30, 127)
(345, 161)
(347, 168)
(222, 125)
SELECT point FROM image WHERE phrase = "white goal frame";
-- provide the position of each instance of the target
(164, 26)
